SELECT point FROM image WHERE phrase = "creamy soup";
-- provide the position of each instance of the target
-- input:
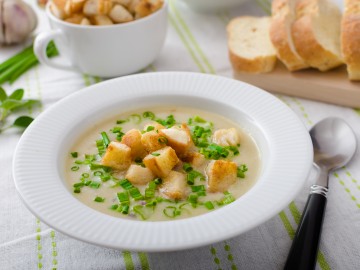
(189, 162)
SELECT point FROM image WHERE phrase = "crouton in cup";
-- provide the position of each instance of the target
(105, 51)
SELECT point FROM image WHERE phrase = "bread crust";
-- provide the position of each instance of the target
(280, 38)
(350, 39)
(305, 40)
(261, 64)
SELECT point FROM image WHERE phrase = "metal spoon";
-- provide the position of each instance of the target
(334, 145)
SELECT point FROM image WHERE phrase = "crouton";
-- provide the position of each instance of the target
(75, 18)
(146, 7)
(221, 175)
(195, 159)
(174, 186)
(117, 156)
(151, 141)
(178, 138)
(73, 6)
(132, 138)
(226, 137)
(101, 20)
(119, 14)
(162, 161)
(139, 175)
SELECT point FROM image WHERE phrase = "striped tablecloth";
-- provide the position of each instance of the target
(194, 43)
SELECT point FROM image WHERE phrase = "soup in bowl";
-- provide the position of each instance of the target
(88, 175)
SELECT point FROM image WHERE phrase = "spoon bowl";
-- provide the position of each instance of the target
(334, 143)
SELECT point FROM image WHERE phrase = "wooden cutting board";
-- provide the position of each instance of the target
(332, 86)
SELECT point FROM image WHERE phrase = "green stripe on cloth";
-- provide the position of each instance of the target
(352, 197)
(129, 264)
(39, 246)
(186, 44)
(191, 37)
(295, 212)
(54, 251)
(290, 230)
(265, 6)
(144, 261)
(230, 257)
(216, 259)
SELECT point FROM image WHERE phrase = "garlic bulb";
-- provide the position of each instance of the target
(18, 20)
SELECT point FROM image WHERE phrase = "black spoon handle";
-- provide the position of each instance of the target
(303, 252)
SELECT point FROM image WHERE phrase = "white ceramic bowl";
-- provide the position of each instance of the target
(105, 51)
(284, 143)
(213, 5)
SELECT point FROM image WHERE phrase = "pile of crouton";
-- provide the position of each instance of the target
(103, 12)
(163, 151)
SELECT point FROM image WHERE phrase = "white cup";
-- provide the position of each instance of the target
(104, 51)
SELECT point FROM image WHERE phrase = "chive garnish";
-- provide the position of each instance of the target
(98, 173)
(168, 122)
(77, 190)
(149, 115)
(150, 128)
(85, 175)
(187, 167)
(94, 184)
(119, 122)
(105, 139)
(123, 197)
(125, 184)
(135, 193)
(198, 119)
(241, 170)
(193, 199)
(163, 140)
(136, 118)
(114, 206)
(81, 184)
(99, 199)
(198, 188)
(155, 154)
(171, 211)
(209, 205)
(74, 154)
(75, 168)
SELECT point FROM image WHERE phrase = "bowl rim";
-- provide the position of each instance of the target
(69, 217)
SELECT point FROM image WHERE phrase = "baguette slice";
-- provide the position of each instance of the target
(250, 48)
(283, 16)
(350, 38)
(316, 33)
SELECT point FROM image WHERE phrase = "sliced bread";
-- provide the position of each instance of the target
(250, 48)
(316, 33)
(283, 16)
(350, 38)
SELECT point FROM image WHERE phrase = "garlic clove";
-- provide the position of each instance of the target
(18, 20)
(104, 7)
(85, 21)
(2, 34)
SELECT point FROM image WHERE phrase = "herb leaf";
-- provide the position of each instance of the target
(23, 121)
(3, 94)
(17, 94)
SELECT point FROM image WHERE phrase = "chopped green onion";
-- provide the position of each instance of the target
(94, 166)
(75, 168)
(234, 149)
(87, 183)
(123, 197)
(149, 115)
(114, 206)
(227, 199)
(158, 181)
(198, 119)
(98, 173)
(198, 188)
(94, 185)
(193, 199)
(143, 212)
(168, 122)
(163, 140)
(105, 139)
(150, 128)
(99, 199)
(116, 129)
(125, 184)
(136, 118)
(187, 167)
(85, 175)
(201, 193)
(74, 154)
(192, 175)
(77, 190)
(105, 177)
(119, 122)
(81, 184)
(241, 171)
(150, 190)
(170, 211)
(125, 209)
(209, 205)
(135, 193)
(155, 154)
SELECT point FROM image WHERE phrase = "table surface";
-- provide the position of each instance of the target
(195, 42)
